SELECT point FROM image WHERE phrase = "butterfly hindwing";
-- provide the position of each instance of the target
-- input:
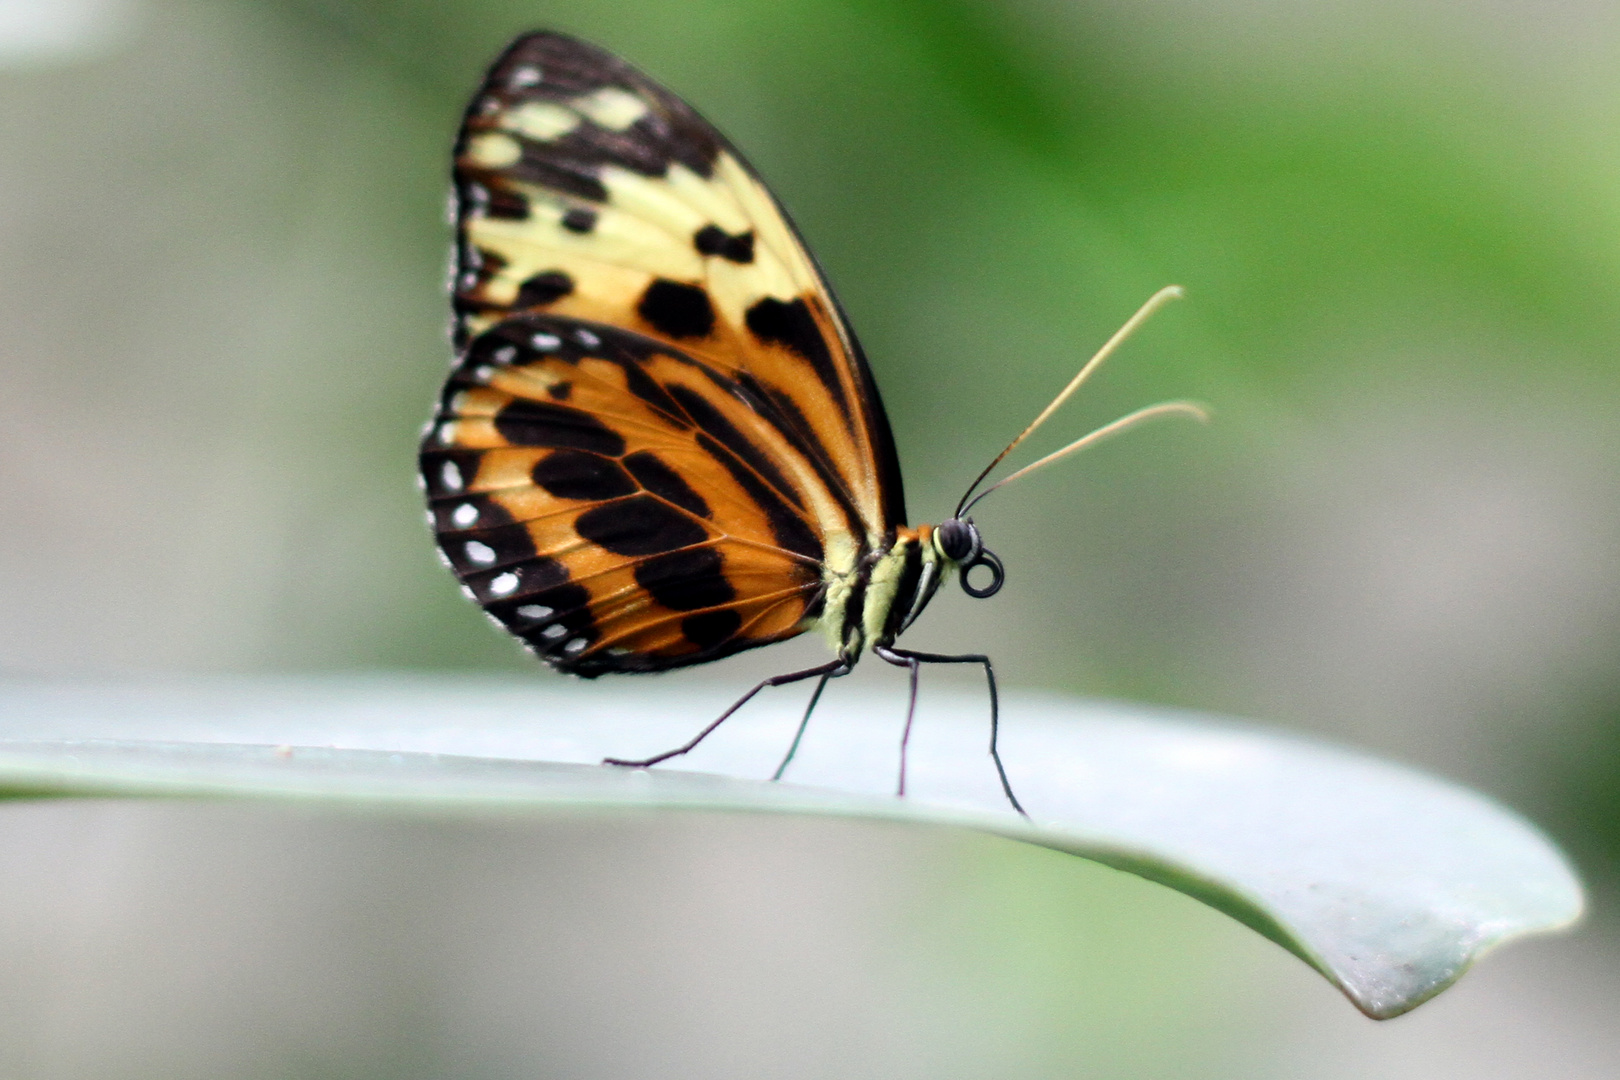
(619, 505)
(586, 191)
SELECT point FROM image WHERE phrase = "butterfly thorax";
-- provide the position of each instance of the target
(869, 602)
(869, 605)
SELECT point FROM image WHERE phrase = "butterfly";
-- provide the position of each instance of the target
(660, 443)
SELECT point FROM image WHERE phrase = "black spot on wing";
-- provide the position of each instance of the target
(677, 309)
(580, 219)
(640, 525)
(659, 479)
(559, 391)
(574, 474)
(710, 628)
(713, 240)
(707, 417)
(686, 580)
(637, 149)
(790, 324)
(544, 288)
(505, 204)
(522, 422)
(786, 322)
(541, 166)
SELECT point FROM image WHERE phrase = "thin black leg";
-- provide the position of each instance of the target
(808, 709)
(897, 660)
(901, 655)
(836, 667)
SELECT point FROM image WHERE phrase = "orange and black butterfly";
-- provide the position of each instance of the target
(660, 443)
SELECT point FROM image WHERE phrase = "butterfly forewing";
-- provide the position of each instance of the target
(585, 190)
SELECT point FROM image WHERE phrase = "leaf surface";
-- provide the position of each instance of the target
(1387, 881)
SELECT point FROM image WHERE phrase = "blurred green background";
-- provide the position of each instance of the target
(221, 314)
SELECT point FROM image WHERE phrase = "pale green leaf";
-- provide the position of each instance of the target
(1389, 882)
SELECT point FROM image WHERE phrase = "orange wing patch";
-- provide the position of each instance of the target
(619, 505)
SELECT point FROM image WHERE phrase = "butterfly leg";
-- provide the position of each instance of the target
(808, 709)
(906, 661)
(902, 656)
(828, 670)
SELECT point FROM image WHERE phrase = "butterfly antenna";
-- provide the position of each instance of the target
(1155, 302)
(1190, 409)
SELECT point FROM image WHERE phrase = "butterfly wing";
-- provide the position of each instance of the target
(586, 190)
(660, 442)
(618, 504)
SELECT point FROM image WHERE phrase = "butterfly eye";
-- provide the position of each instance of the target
(958, 540)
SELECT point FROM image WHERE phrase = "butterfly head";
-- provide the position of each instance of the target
(960, 545)
(902, 580)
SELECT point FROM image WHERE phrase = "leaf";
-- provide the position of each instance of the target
(1389, 882)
